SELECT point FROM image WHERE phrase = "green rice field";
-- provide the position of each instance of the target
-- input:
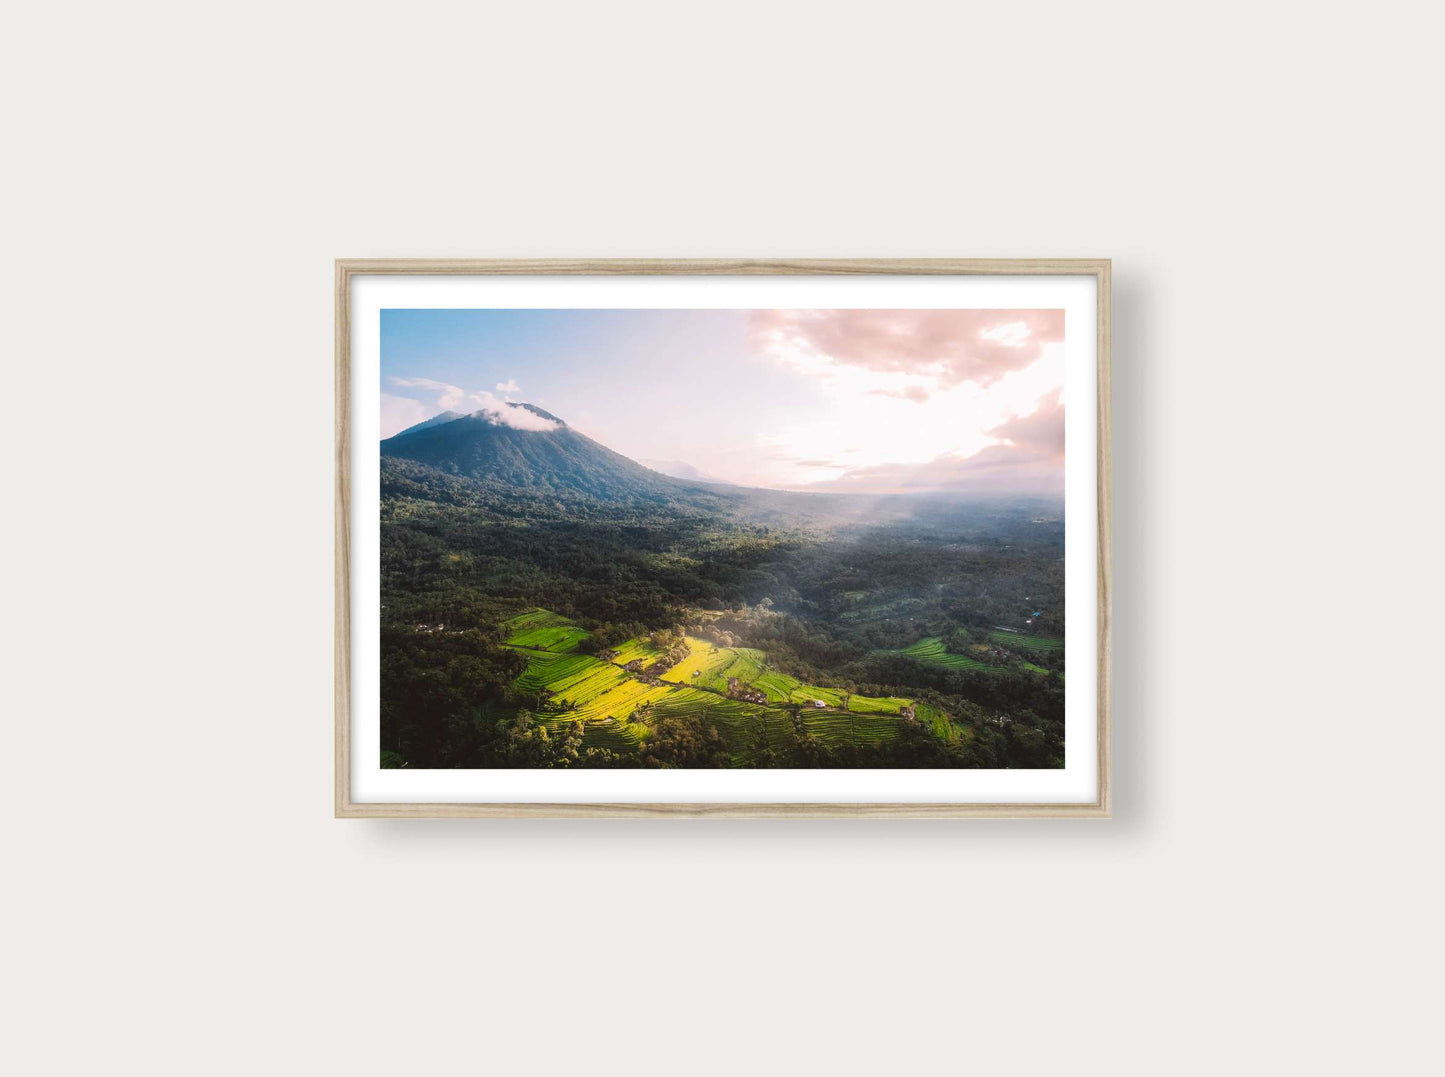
(931, 652)
(543, 667)
(635, 649)
(937, 721)
(778, 687)
(879, 705)
(617, 709)
(586, 689)
(715, 665)
(542, 630)
(1038, 643)
(615, 735)
(710, 662)
(805, 694)
(847, 727)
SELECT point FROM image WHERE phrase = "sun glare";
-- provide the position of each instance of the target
(869, 419)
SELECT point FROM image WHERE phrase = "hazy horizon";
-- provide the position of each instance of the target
(866, 401)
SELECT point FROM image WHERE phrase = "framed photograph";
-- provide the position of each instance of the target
(722, 538)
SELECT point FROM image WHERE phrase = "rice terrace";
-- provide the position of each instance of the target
(732, 563)
(617, 695)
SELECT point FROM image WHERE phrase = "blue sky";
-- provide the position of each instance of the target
(773, 398)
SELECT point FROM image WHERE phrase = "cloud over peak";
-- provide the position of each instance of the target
(506, 413)
(401, 412)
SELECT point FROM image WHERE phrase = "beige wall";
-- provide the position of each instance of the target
(1267, 179)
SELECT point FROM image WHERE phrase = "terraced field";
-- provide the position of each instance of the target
(747, 666)
(680, 702)
(931, 652)
(715, 665)
(781, 688)
(878, 704)
(846, 727)
(543, 668)
(805, 694)
(740, 723)
(706, 660)
(604, 697)
(937, 721)
(634, 649)
(615, 735)
(578, 683)
(586, 689)
(778, 687)
(615, 703)
(617, 709)
(536, 617)
(545, 631)
(1039, 643)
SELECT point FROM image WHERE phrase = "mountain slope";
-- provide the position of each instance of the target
(678, 469)
(494, 447)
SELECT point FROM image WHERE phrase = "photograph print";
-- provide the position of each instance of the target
(722, 539)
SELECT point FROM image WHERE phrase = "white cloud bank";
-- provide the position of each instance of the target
(451, 395)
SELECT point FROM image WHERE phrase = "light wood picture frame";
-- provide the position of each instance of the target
(347, 270)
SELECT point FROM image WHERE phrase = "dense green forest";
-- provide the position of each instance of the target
(953, 605)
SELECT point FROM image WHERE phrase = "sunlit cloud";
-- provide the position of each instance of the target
(1025, 455)
(904, 388)
(509, 386)
(916, 393)
(924, 349)
(860, 425)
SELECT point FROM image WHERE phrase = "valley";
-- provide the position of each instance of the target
(548, 602)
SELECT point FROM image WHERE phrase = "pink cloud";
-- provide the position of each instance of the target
(952, 346)
(1040, 433)
(916, 393)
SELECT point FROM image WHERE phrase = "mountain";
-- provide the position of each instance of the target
(523, 446)
(435, 420)
(677, 469)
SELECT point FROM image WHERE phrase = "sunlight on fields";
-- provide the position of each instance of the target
(618, 708)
